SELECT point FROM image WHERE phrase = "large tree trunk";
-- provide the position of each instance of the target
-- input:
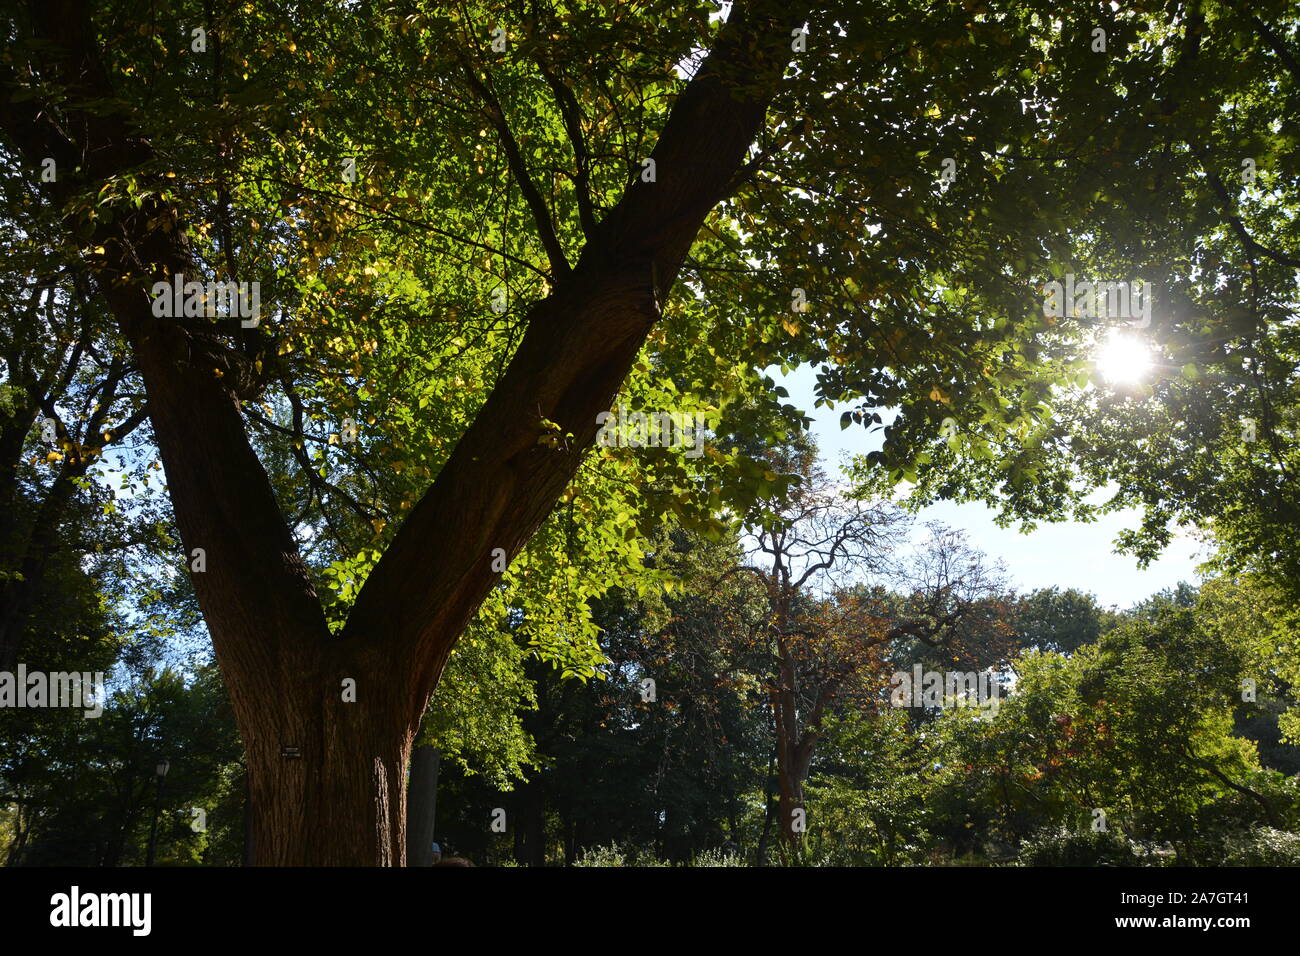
(343, 802)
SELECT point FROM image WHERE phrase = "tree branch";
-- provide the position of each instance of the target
(541, 214)
(571, 114)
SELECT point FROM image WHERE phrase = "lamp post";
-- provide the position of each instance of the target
(160, 773)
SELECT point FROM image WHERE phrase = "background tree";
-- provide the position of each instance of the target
(825, 651)
(1051, 619)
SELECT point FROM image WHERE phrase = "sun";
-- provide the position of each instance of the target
(1123, 359)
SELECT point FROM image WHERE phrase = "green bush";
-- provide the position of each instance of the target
(617, 855)
(1065, 848)
(718, 857)
(1263, 846)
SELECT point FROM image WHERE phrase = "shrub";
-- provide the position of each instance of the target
(1262, 846)
(617, 855)
(1065, 848)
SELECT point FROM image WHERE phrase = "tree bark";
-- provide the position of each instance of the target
(786, 717)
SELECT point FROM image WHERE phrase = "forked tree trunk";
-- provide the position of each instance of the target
(327, 742)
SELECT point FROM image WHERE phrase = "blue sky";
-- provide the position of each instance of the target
(1069, 554)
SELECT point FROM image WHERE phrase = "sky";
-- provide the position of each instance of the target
(1068, 554)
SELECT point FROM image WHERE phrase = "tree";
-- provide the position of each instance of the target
(825, 652)
(327, 780)
(1132, 734)
(62, 409)
(87, 787)
(663, 748)
(1050, 619)
(581, 187)
(869, 793)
